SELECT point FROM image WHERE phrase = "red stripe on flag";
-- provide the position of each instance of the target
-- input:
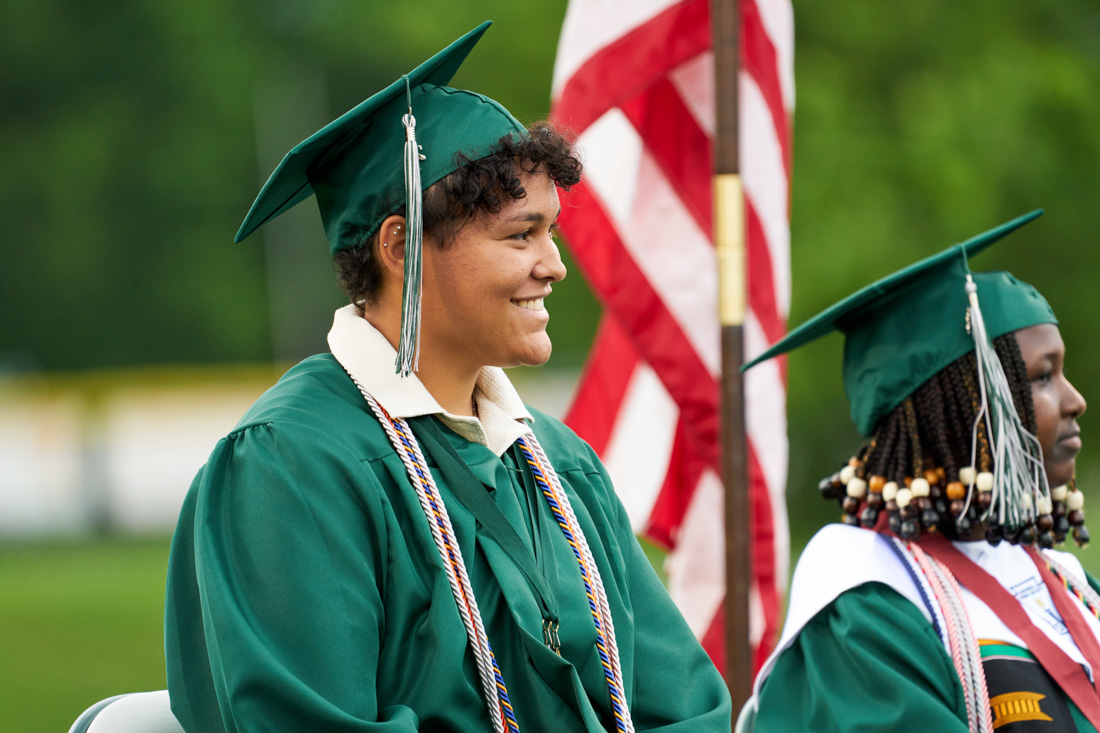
(664, 519)
(679, 145)
(714, 638)
(761, 280)
(603, 384)
(685, 470)
(613, 273)
(608, 265)
(758, 58)
(631, 73)
(631, 63)
(762, 546)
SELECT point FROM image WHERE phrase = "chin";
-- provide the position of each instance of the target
(536, 353)
(1059, 475)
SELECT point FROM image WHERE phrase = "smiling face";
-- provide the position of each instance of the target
(1057, 403)
(483, 292)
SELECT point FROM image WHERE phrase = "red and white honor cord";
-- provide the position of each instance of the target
(439, 521)
(965, 652)
(492, 681)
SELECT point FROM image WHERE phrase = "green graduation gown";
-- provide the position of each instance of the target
(305, 592)
(871, 661)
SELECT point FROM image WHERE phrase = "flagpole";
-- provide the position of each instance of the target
(729, 235)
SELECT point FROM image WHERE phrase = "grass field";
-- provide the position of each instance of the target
(79, 621)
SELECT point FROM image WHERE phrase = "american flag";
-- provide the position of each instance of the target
(635, 80)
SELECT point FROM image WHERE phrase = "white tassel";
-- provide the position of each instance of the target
(408, 348)
(1019, 480)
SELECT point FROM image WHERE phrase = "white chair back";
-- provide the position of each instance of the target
(135, 712)
(746, 720)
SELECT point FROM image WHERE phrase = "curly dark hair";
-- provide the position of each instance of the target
(482, 186)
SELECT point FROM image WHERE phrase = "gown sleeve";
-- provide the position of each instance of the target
(869, 661)
(676, 687)
(286, 555)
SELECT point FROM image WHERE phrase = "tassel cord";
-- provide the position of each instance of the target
(1018, 476)
(408, 349)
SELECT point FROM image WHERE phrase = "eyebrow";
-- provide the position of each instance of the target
(532, 217)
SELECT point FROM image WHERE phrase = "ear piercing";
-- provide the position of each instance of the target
(396, 231)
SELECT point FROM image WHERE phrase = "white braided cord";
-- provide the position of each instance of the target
(965, 652)
(423, 482)
(918, 577)
(972, 654)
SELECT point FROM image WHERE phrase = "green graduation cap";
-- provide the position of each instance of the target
(354, 163)
(906, 327)
(379, 157)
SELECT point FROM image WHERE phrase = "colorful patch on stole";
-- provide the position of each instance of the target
(1023, 697)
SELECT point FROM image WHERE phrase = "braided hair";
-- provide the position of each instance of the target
(925, 454)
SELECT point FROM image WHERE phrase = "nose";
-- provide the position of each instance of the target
(549, 266)
(1073, 402)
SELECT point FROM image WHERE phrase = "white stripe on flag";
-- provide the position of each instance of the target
(638, 452)
(672, 252)
(756, 615)
(777, 17)
(592, 24)
(766, 424)
(766, 184)
(694, 80)
(697, 567)
(612, 152)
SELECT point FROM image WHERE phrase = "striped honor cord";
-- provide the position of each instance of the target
(965, 653)
(927, 595)
(492, 681)
(547, 480)
(496, 693)
(1083, 591)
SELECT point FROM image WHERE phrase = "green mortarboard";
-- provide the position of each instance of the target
(906, 327)
(354, 164)
(379, 157)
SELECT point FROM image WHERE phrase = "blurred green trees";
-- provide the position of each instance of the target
(134, 135)
(918, 125)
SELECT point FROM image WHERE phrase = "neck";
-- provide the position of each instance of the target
(451, 385)
(453, 389)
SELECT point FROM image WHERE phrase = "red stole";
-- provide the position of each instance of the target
(1066, 673)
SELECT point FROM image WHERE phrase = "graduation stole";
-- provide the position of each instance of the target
(478, 501)
(1066, 673)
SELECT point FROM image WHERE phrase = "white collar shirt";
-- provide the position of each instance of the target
(369, 358)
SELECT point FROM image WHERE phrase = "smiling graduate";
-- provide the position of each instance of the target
(390, 540)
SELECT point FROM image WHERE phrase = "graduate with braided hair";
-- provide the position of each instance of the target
(937, 604)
